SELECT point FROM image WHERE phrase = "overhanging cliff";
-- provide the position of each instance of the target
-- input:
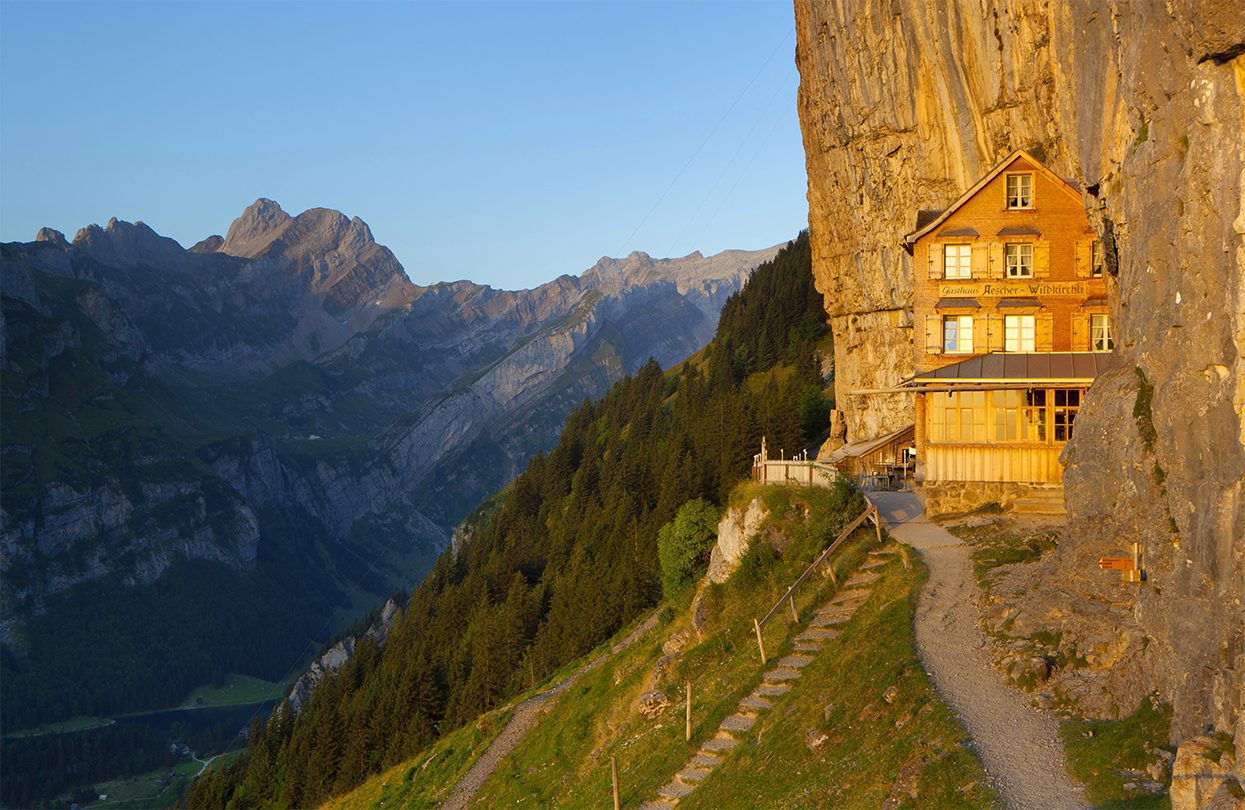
(904, 104)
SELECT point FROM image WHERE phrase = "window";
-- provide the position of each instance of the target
(1018, 333)
(1095, 259)
(1019, 191)
(1019, 260)
(957, 261)
(1067, 403)
(1020, 416)
(1100, 339)
(958, 417)
(957, 334)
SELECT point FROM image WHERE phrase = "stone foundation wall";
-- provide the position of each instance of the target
(958, 497)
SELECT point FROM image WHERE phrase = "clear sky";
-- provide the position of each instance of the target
(501, 142)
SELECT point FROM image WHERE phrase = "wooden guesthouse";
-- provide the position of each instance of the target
(1012, 326)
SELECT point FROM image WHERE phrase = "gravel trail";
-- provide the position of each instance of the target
(1019, 746)
(525, 716)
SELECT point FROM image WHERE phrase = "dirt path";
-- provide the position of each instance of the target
(1019, 745)
(525, 716)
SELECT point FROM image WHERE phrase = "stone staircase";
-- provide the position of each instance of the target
(782, 676)
(1040, 501)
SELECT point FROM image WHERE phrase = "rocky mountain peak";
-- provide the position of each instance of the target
(52, 235)
(260, 225)
(128, 243)
(638, 268)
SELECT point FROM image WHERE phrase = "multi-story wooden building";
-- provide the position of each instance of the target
(1011, 326)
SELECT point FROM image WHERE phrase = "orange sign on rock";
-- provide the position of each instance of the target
(1116, 563)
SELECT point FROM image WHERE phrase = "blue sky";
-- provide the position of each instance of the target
(502, 142)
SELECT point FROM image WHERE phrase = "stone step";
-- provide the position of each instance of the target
(659, 804)
(705, 761)
(885, 551)
(807, 646)
(780, 675)
(861, 578)
(755, 703)
(850, 596)
(723, 743)
(676, 789)
(869, 566)
(818, 634)
(739, 722)
(773, 689)
(693, 775)
(794, 661)
(829, 620)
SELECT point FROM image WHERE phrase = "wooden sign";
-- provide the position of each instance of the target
(1116, 563)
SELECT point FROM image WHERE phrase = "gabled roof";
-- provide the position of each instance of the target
(924, 227)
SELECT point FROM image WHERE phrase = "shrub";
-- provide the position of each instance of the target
(683, 545)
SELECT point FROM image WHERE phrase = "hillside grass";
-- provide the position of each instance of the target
(564, 761)
(1110, 756)
(426, 780)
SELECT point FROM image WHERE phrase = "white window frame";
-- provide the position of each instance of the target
(1100, 337)
(1019, 333)
(1020, 191)
(1018, 256)
(1095, 259)
(963, 334)
(957, 261)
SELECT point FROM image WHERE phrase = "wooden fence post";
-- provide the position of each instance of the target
(687, 735)
(614, 775)
(760, 641)
(795, 617)
(877, 525)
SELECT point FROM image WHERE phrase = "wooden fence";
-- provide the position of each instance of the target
(871, 514)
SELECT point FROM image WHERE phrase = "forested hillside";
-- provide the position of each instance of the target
(568, 557)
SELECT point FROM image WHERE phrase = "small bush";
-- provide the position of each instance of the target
(683, 545)
(1142, 413)
(756, 564)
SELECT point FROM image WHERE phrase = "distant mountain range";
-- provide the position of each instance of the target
(284, 403)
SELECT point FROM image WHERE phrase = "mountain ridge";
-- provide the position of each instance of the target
(307, 400)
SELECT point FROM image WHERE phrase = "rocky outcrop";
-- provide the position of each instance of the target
(736, 531)
(903, 105)
(332, 659)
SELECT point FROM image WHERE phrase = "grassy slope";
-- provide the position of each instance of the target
(564, 760)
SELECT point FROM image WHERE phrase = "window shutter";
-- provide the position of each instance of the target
(1083, 258)
(1044, 332)
(997, 264)
(981, 260)
(935, 259)
(994, 333)
(1041, 259)
(1080, 332)
(933, 334)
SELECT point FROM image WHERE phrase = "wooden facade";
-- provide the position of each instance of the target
(1011, 268)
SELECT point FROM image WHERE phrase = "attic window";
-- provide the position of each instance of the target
(1020, 190)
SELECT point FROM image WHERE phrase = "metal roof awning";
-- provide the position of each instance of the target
(1019, 302)
(959, 232)
(1019, 230)
(1017, 367)
(949, 303)
(1001, 371)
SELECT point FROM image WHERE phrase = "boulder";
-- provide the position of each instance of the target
(1202, 776)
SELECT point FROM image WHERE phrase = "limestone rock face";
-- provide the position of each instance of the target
(736, 532)
(1202, 777)
(903, 105)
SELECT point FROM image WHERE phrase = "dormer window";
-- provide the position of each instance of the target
(1019, 191)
